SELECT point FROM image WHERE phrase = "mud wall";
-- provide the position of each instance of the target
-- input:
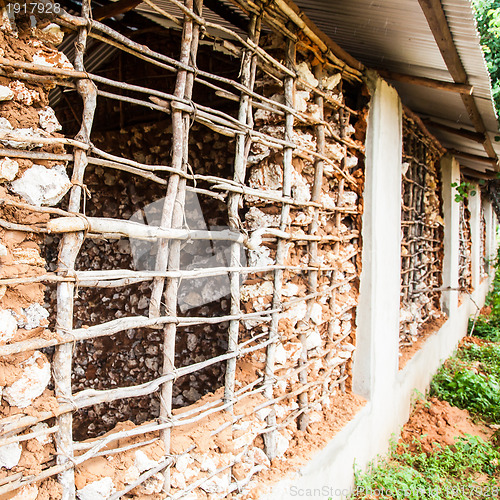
(422, 233)
(266, 277)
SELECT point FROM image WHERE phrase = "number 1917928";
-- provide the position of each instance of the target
(33, 8)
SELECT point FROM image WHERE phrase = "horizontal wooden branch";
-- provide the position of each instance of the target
(36, 155)
(460, 88)
(123, 277)
(13, 137)
(119, 325)
(462, 132)
(137, 230)
(12, 226)
(470, 156)
(32, 78)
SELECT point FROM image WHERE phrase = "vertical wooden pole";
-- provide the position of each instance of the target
(303, 420)
(344, 118)
(316, 196)
(69, 248)
(173, 216)
(177, 163)
(269, 379)
(248, 69)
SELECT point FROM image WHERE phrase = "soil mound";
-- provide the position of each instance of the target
(436, 423)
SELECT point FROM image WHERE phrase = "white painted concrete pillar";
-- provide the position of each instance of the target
(376, 358)
(491, 225)
(475, 230)
(450, 173)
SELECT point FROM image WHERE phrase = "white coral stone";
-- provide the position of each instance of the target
(8, 326)
(10, 455)
(29, 492)
(5, 93)
(8, 169)
(143, 462)
(43, 186)
(98, 490)
(33, 381)
(48, 120)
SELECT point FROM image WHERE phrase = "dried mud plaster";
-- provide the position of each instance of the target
(290, 312)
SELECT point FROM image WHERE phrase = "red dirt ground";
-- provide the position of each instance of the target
(434, 422)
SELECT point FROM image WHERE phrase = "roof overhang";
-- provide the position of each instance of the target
(431, 52)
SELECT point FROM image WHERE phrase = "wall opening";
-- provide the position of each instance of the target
(422, 237)
(465, 249)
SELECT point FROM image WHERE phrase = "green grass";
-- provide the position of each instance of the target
(461, 384)
(471, 379)
(485, 357)
(466, 470)
(488, 327)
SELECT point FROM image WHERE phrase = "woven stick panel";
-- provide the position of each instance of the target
(180, 249)
(422, 233)
(482, 241)
(465, 249)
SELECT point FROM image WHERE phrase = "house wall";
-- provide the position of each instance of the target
(375, 371)
(390, 392)
(304, 369)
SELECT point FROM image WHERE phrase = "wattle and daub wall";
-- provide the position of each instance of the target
(193, 256)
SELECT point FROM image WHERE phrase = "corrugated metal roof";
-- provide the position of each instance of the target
(171, 8)
(394, 35)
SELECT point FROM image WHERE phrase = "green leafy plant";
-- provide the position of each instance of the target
(462, 386)
(488, 24)
(449, 472)
(488, 326)
(485, 357)
(469, 469)
(464, 190)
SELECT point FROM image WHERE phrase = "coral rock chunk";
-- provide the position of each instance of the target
(98, 490)
(33, 381)
(8, 169)
(42, 186)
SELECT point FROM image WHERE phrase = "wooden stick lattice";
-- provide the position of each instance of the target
(421, 220)
(73, 226)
